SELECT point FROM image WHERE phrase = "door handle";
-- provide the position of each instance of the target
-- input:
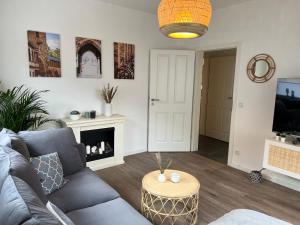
(154, 100)
(229, 98)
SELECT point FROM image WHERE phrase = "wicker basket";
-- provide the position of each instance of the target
(284, 158)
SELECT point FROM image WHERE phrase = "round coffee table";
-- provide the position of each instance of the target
(168, 202)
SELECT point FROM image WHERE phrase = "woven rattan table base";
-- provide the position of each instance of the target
(170, 211)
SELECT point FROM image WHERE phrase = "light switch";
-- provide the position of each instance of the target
(241, 105)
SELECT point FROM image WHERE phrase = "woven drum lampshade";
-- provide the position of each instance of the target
(184, 18)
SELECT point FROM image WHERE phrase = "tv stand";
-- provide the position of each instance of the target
(296, 141)
(282, 158)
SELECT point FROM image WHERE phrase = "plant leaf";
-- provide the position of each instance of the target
(22, 109)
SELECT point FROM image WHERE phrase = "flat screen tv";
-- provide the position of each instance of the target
(287, 107)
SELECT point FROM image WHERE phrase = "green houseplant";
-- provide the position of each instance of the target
(22, 109)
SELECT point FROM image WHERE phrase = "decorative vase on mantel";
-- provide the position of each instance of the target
(108, 93)
(108, 109)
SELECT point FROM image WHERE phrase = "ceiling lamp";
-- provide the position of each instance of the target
(184, 18)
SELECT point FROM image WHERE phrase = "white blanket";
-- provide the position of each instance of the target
(247, 217)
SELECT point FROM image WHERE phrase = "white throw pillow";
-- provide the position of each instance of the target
(58, 214)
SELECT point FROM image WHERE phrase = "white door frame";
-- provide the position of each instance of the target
(197, 95)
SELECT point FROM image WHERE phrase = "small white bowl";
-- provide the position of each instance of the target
(75, 117)
(175, 177)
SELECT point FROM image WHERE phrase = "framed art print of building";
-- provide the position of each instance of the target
(44, 54)
(124, 61)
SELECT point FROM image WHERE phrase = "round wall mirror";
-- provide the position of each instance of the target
(261, 68)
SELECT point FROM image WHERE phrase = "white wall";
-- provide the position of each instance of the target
(258, 26)
(83, 18)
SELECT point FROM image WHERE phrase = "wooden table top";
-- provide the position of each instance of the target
(187, 186)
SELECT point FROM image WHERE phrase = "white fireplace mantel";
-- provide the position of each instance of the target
(116, 121)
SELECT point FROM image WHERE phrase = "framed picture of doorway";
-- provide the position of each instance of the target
(88, 58)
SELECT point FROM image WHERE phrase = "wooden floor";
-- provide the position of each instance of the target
(222, 188)
(213, 149)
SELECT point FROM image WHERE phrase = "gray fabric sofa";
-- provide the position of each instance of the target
(85, 198)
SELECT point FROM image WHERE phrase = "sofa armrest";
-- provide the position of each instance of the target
(82, 153)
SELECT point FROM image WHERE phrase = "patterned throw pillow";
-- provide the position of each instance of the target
(50, 171)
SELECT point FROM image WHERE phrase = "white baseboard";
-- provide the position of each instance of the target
(277, 178)
(133, 152)
(283, 180)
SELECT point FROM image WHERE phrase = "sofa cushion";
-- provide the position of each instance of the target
(57, 123)
(61, 141)
(12, 140)
(4, 168)
(113, 212)
(21, 168)
(84, 189)
(82, 153)
(15, 210)
(49, 169)
(22, 205)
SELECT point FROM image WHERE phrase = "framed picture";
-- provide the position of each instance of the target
(88, 58)
(44, 54)
(124, 59)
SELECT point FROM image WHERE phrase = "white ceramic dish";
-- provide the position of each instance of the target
(75, 117)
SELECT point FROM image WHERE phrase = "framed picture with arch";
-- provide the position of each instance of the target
(88, 58)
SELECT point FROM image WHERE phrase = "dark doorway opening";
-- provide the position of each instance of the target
(216, 104)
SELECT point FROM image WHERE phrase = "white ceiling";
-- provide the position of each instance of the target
(150, 6)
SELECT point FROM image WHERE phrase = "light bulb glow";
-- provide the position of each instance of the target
(183, 35)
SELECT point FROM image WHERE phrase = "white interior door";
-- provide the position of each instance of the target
(219, 98)
(171, 99)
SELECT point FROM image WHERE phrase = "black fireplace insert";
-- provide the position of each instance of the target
(99, 143)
